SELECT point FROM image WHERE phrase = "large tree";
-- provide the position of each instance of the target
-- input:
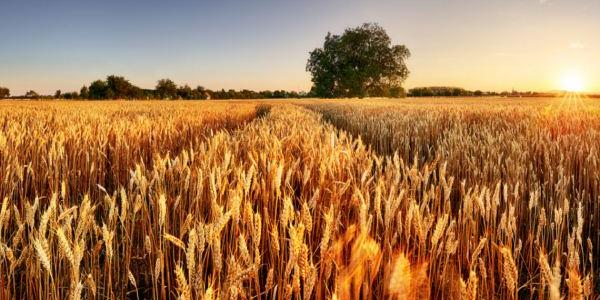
(4, 92)
(361, 62)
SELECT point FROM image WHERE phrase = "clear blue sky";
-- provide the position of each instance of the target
(488, 44)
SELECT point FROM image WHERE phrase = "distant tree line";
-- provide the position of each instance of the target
(118, 87)
(32, 95)
(445, 91)
(528, 94)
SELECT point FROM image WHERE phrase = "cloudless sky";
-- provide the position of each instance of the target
(485, 44)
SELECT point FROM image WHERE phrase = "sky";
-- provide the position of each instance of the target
(486, 44)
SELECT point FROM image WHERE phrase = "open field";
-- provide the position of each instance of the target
(407, 199)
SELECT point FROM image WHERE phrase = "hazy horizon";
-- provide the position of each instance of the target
(487, 45)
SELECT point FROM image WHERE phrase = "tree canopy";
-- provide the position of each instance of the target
(32, 95)
(4, 92)
(121, 88)
(84, 93)
(362, 62)
(166, 89)
(99, 90)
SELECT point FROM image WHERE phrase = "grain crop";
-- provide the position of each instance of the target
(312, 199)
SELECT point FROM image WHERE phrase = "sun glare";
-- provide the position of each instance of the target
(572, 82)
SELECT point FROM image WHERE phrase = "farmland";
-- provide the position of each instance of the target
(305, 199)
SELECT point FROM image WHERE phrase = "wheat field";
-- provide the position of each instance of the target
(308, 199)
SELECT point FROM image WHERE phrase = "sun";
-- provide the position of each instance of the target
(572, 82)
